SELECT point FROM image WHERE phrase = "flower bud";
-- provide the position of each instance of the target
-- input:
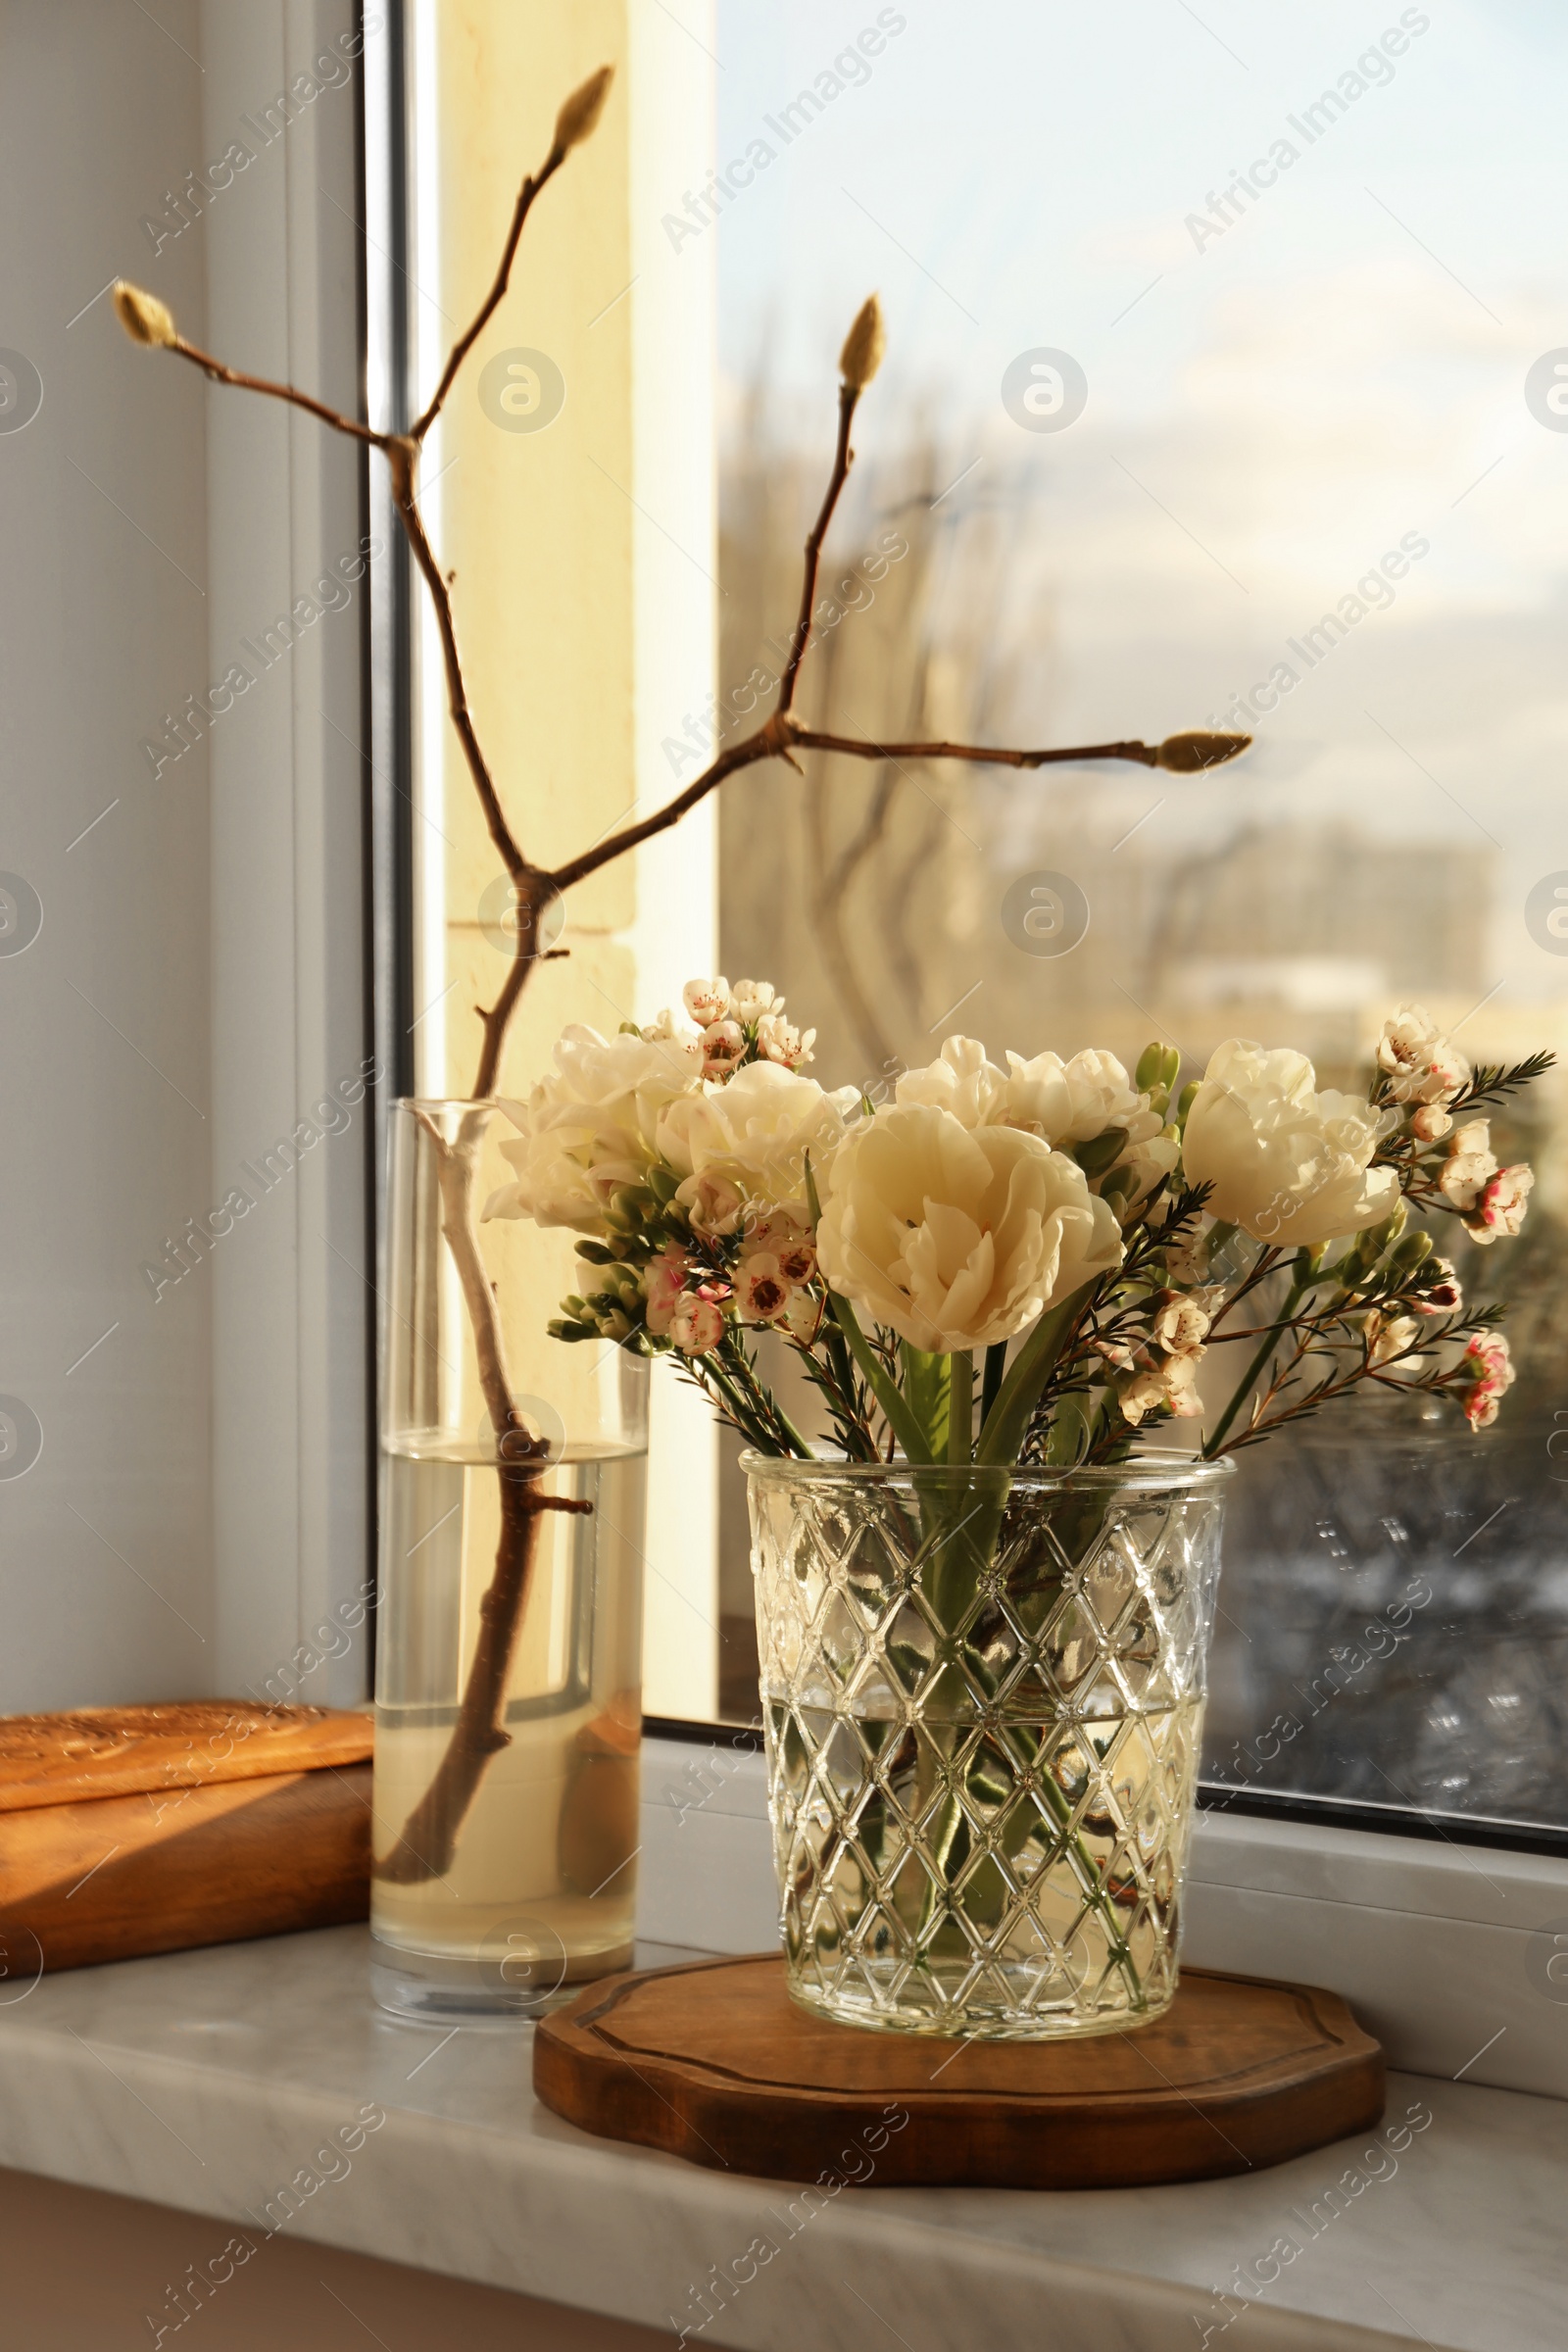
(1413, 1249)
(1186, 1099)
(1171, 1066)
(864, 346)
(579, 117)
(143, 317)
(1100, 1152)
(1150, 1068)
(1188, 754)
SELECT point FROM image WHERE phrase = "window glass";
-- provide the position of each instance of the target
(1225, 386)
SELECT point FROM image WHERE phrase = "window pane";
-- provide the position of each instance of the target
(1222, 389)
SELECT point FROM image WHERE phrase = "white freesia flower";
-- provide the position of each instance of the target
(1287, 1163)
(1073, 1101)
(962, 1081)
(1061, 1101)
(957, 1240)
(754, 1133)
(588, 1126)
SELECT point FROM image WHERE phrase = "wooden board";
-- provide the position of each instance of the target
(139, 1829)
(116, 1751)
(714, 2062)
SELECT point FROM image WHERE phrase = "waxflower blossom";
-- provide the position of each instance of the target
(1389, 1337)
(750, 999)
(1469, 1166)
(697, 1325)
(1181, 1326)
(1169, 1384)
(761, 1291)
(664, 1283)
(1421, 1063)
(804, 1316)
(1440, 1294)
(1487, 1361)
(706, 1001)
(1499, 1213)
(723, 1048)
(778, 1040)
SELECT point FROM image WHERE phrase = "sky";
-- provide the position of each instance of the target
(1280, 394)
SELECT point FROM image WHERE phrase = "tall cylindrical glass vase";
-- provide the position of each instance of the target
(509, 1658)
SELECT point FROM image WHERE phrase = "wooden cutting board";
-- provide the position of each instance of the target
(714, 2062)
(150, 1829)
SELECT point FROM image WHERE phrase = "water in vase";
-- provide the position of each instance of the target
(540, 1892)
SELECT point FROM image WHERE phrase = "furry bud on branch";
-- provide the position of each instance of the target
(1190, 753)
(579, 117)
(864, 346)
(143, 317)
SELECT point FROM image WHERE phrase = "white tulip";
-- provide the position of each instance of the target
(956, 1240)
(1288, 1164)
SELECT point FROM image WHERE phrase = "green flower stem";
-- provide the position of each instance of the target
(996, 1366)
(925, 1387)
(903, 1423)
(1093, 1883)
(961, 1406)
(760, 1416)
(1254, 1370)
(1020, 1391)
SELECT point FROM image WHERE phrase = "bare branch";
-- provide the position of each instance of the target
(403, 452)
(810, 739)
(768, 743)
(492, 301)
(261, 383)
(843, 459)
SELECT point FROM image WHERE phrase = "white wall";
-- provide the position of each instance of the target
(196, 981)
(105, 1140)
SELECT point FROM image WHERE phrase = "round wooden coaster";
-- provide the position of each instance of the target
(714, 2062)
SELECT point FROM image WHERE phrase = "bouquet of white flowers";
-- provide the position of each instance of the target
(1091, 1238)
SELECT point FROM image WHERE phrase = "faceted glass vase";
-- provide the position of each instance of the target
(983, 1701)
(524, 1887)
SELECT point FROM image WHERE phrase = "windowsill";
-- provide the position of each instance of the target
(207, 2080)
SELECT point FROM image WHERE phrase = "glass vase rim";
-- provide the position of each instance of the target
(1154, 1470)
(451, 1102)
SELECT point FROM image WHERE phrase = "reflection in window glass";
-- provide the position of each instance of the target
(1223, 388)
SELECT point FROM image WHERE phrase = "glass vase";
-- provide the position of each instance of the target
(508, 1696)
(983, 1699)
